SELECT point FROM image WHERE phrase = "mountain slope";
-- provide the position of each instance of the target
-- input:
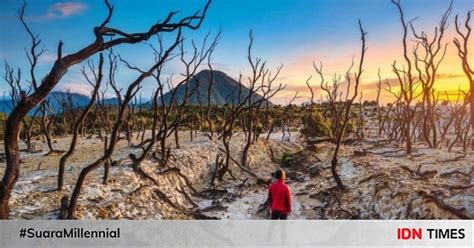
(224, 90)
(55, 99)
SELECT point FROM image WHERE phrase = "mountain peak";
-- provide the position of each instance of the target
(224, 90)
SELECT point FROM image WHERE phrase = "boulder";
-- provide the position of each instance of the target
(291, 174)
(314, 170)
(360, 153)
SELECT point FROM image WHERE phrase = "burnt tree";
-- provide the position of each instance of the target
(59, 69)
(341, 110)
(462, 44)
(132, 90)
(95, 83)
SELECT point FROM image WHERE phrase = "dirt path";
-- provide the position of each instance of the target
(247, 206)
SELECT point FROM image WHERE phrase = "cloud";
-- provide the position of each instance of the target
(64, 9)
(221, 66)
(83, 89)
(297, 87)
(448, 75)
(363, 86)
(47, 57)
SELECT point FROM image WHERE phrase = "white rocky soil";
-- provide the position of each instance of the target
(381, 183)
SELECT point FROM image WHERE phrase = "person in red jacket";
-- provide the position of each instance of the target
(279, 197)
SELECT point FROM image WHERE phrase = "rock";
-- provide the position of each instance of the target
(36, 147)
(311, 147)
(264, 181)
(314, 170)
(291, 174)
(360, 153)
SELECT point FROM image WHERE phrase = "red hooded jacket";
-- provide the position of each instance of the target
(279, 197)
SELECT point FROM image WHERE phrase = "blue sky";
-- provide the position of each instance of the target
(290, 32)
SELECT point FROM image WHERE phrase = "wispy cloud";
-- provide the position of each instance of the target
(65, 9)
(48, 57)
(61, 10)
(448, 76)
(83, 89)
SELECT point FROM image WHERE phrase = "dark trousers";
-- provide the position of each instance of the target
(276, 215)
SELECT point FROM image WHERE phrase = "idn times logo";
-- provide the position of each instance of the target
(404, 233)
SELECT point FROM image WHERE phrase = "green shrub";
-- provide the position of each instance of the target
(315, 126)
(286, 159)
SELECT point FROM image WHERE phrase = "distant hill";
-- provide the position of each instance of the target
(55, 99)
(224, 90)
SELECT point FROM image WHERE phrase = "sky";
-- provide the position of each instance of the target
(293, 33)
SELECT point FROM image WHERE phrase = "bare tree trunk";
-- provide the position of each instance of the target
(61, 65)
(462, 45)
(82, 117)
(406, 81)
(131, 91)
(341, 115)
(106, 165)
(44, 123)
(176, 137)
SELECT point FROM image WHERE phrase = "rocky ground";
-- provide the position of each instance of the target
(381, 183)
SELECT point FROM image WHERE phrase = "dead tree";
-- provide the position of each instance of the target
(164, 125)
(95, 83)
(136, 161)
(393, 122)
(341, 115)
(59, 69)
(66, 114)
(243, 104)
(311, 99)
(454, 110)
(226, 131)
(285, 119)
(457, 121)
(130, 121)
(102, 116)
(16, 91)
(427, 62)
(33, 55)
(132, 90)
(462, 44)
(260, 81)
(379, 108)
(162, 109)
(209, 105)
(333, 105)
(407, 82)
(191, 65)
(360, 120)
(170, 105)
(45, 124)
(460, 119)
(107, 163)
(105, 108)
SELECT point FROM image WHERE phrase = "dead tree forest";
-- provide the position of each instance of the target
(195, 158)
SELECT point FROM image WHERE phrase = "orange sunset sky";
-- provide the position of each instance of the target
(292, 33)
